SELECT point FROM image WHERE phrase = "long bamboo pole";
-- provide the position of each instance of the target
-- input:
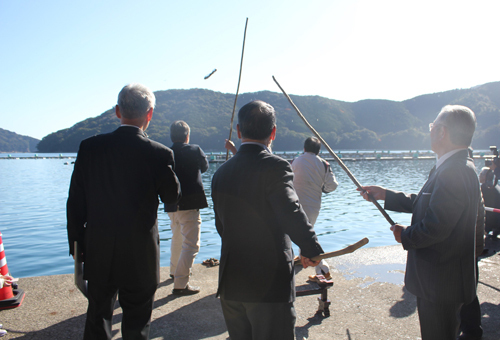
(238, 88)
(346, 250)
(342, 165)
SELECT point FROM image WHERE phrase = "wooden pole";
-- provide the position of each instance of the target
(342, 165)
(238, 88)
(346, 250)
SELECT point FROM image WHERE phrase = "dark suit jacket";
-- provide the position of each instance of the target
(113, 203)
(190, 163)
(491, 195)
(441, 238)
(256, 214)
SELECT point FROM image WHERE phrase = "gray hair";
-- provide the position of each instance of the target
(179, 130)
(135, 100)
(461, 123)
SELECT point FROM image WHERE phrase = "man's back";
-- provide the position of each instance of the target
(190, 163)
(115, 187)
(257, 213)
(312, 176)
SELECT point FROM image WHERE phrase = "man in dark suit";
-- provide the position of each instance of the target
(257, 215)
(440, 268)
(190, 163)
(112, 215)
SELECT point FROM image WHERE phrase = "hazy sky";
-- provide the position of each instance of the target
(65, 61)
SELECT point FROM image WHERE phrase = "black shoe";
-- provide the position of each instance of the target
(189, 290)
(171, 276)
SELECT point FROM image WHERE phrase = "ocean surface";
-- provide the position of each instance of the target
(33, 194)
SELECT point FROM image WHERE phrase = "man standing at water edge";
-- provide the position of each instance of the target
(440, 268)
(112, 214)
(313, 176)
(256, 214)
(190, 163)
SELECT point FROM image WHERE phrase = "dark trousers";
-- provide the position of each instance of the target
(470, 315)
(438, 320)
(259, 321)
(137, 306)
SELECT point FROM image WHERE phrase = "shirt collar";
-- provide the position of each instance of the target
(141, 130)
(259, 144)
(447, 155)
(131, 125)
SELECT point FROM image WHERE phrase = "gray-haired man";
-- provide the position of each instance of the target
(440, 269)
(112, 215)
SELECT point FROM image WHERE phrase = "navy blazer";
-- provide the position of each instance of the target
(257, 215)
(190, 163)
(441, 238)
(113, 203)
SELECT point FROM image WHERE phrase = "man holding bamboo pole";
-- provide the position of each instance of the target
(440, 241)
(257, 215)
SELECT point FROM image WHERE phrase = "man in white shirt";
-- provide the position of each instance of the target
(312, 177)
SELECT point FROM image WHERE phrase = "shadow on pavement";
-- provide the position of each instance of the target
(198, 320)
(303, 331)
(68, 329)
(405, 307)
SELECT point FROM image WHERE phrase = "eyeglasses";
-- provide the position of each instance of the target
(431, 125)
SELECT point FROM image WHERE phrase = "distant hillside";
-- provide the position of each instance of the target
(12, 142)
(366, 124)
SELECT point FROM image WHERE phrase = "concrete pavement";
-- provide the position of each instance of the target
(368, 302)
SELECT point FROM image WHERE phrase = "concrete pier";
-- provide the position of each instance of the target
(368, 302)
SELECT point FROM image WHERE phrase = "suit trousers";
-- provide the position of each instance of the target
(136, 303)
(438, 320)
(185, 226)
(312, 215)
(470, 315)
(259, 321)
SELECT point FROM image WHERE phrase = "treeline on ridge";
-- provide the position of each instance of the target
(13, 142)
(366, 124)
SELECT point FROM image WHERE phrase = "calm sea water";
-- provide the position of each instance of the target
(33, 194)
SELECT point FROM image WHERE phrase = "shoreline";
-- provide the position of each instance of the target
(368, 302)
(350, 156)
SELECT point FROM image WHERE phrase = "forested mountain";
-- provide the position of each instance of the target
(366, 124)
(12, 142)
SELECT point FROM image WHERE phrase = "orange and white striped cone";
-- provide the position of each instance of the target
(9, 298)
(6, 291)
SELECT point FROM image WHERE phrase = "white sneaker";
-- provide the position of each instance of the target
(2, 332)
